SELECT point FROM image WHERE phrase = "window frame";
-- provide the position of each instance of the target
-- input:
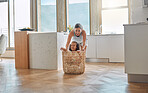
(118, 7)
(9, 47)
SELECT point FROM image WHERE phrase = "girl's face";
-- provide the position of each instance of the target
(77, 31)
(73, 46)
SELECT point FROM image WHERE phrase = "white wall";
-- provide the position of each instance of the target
(138, 13)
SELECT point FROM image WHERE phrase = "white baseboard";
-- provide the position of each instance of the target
(97, 60)
(9, 54)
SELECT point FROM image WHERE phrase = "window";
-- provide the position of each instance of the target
(79, 13)
(14, 18)
(12, 24)
(22, 14)
(4, 19)
(114, 14)
(48, 16)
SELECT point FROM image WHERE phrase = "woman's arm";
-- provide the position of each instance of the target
(84, 37)
(69, 38)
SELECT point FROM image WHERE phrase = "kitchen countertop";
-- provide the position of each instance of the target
(103, 34)
(140, 23)
(106, 35)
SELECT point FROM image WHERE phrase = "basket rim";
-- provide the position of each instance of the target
(74, 51)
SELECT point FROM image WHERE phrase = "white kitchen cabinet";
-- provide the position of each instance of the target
(65, 38)
(136, 52)
(106, 46)
(136, 49)
(92, 47)
(116, 48)
(103, 47)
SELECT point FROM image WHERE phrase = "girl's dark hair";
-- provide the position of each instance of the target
(78, 25)
(76, 46)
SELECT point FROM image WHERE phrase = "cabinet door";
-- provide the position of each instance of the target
(21, 50)
(136, 49)
(117, 48)
(103, 47)
(91, 49)
(65, 39)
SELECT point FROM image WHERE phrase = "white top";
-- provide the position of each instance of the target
(79, 39)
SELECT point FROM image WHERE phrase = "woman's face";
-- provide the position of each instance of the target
(77, 31)
(73, 46)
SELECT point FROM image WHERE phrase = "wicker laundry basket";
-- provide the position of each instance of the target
(73, 62)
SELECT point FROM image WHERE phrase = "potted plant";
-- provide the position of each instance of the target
(69, 28)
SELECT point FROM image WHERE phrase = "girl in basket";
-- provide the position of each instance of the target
(74, 46)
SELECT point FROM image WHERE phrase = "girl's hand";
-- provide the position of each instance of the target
(63, 49)
(78, 51)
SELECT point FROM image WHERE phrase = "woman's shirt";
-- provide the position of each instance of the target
(79, 39)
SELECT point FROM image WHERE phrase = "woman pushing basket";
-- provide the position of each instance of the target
(78, 35)
(73, 61)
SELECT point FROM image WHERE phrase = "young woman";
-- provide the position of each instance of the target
(78, 35)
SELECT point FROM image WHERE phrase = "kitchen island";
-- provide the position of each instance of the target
(44, 50)
(38, 50)
(136, 52)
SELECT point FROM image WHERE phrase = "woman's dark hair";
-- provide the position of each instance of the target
(78, 25)
(76, 46)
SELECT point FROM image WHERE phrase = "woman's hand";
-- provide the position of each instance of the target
(83, 48)
(63, 49)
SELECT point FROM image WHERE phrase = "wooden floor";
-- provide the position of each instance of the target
(98, 78)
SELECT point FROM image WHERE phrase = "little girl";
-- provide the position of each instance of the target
(74, 46)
